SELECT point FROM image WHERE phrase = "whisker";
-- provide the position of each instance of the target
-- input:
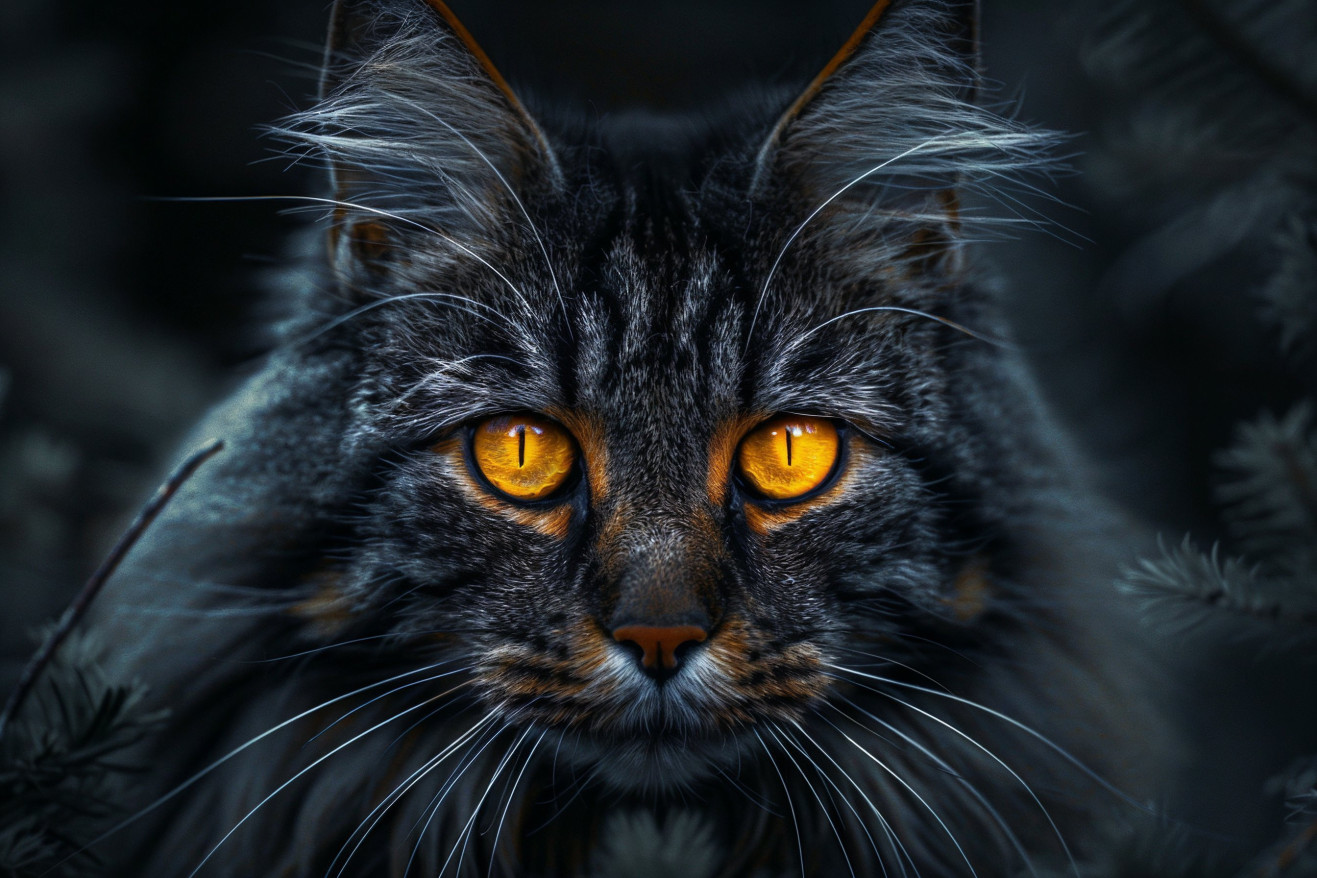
(892, 661)
(931, 810)
(180, 788)
(772, 271)
(882, 820)
(544, 251)
(425, 718)
(319, 649)
(959, 327)
(401, 790)
(1029, 730)
(283, 786)
(841, 843)
(493, 851)
(795, 821)
(431, 810)
(394, 691)
(465, 835)
(942, 765)
(405, 297)
(334, 202)
(755, 798)
(1056, 830)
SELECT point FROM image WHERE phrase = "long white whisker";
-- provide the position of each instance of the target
(283, 786)
(334, 202)
(128, 821)
(319, 649)
(942, 764)
(493, 851)
(959, 327)
(1032, 732)
(406, 297)
(841, 843)
(399, 791)
(772, 272)
(993, 756)
(512, 192)
(465, 835)
(882, 820)
(432, 808)
(393, 691)
(892, 661)
(931, 810)
(795, 821)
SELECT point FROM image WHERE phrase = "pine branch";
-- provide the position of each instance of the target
(1289, 297)
(1270, 497)
(1296, 853)
(1193, 583)
(83, 600)
(63, 766)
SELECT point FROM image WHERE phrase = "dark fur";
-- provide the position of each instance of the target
(645, 286)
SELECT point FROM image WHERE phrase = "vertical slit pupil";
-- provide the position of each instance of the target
(788, 432)
(521, 446)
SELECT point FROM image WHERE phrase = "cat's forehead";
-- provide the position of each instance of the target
(657, 333)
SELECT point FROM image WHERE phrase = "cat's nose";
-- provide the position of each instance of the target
(659, 645)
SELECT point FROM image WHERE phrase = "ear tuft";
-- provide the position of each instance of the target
(891, 130)
(416, 126)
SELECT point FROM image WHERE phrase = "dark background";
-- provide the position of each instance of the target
(123, 315)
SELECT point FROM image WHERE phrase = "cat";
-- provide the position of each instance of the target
(637, 496)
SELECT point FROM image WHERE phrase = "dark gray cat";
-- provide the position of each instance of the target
(640, 496)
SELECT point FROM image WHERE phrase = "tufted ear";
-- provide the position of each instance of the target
(890, 131)
(418, 128)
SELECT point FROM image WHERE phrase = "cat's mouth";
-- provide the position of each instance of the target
(636, 732)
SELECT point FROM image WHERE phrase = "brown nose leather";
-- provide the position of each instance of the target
(659, 644)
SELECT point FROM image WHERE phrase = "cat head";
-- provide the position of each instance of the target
(664, 421)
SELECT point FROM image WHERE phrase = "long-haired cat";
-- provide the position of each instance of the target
(636, 496)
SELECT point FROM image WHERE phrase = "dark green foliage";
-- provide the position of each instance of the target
(1288, 300)
(66, 764)
(1270, 495)
(1217, 152)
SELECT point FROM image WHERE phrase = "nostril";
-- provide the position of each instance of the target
(661, 648)
(635, 649)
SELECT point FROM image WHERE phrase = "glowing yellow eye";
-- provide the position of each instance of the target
(788, 456)
(523, 456)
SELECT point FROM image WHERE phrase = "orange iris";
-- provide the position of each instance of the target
(789, 456)
(524, 456)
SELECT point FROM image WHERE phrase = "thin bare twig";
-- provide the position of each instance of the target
(78, 608)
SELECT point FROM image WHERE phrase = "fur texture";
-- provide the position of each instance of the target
(917, 668)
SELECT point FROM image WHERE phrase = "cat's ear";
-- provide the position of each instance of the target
(419, 130)
(890, 132)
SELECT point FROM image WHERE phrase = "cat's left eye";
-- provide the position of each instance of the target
(789, 456)
(524, 456)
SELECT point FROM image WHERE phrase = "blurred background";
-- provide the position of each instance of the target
(1174, 298)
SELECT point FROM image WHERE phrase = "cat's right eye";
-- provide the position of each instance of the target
(524, 456)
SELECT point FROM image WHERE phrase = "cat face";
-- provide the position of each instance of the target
(659, 305)
(627, 467)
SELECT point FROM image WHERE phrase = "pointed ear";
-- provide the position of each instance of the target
(418, 128)
(889, 131)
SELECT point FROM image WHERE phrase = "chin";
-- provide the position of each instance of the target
(660, 766)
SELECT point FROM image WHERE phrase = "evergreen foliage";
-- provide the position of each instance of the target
(66, 764)
(1216, 154)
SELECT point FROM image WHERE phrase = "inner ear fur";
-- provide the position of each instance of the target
(869, 131)
(418, 128)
